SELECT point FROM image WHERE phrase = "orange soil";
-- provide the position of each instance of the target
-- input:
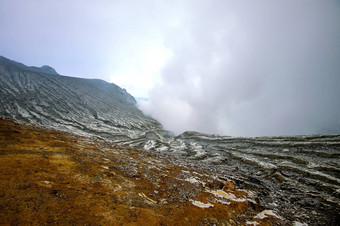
(57, 178)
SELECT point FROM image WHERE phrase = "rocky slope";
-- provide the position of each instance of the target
(296, 177)
(50, 177)
(84, 106)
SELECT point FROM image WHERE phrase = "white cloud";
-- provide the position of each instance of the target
(251, 69)
(220, 66)
(140, 71)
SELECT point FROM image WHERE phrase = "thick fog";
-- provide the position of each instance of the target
(252, 68)
(232, 67)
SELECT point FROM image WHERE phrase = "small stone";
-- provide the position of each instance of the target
(228, 185)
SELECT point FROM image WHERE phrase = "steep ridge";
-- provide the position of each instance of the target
(297, 177)
(84, 106)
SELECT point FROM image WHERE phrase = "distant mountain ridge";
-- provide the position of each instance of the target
(13, 64)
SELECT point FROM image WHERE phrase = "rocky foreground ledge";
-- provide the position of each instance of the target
(53, 177)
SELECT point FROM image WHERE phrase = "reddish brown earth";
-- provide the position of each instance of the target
(57, 178)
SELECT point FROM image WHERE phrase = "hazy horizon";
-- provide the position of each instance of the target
(239, 68)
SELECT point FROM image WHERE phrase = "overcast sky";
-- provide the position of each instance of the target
(241, 68)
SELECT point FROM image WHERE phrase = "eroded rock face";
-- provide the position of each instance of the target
(86, 106)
